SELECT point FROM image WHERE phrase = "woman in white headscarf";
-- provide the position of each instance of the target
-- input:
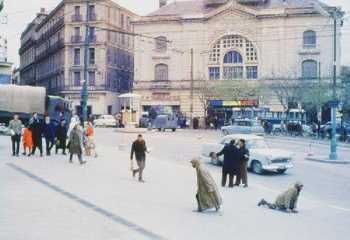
(207, 195)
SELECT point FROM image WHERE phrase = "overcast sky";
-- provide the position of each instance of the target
(21, 12)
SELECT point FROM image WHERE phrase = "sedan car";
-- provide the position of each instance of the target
(262, 157)
(4, 130)
(105, 121)
(243, 126)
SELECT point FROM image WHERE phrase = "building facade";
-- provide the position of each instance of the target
(60, 65)
(210, 41)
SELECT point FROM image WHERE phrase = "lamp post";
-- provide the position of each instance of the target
(84, 90)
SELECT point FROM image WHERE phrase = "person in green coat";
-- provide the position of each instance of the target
(287, 201)
(208, 195)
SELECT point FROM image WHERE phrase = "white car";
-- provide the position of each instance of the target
(243, 126)
(105, 121)
(262, 157)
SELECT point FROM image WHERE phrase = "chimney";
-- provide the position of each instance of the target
(162, 3)
(42, 10)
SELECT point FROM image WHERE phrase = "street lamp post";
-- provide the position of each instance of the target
(334, 102)
(84, 90)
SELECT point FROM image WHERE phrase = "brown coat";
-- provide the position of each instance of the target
(288, 199)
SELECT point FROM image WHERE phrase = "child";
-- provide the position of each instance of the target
(27, 141)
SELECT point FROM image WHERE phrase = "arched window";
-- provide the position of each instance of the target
(309, 69)
(161, 72)
(233, 57)
(161, 43)
(233, 65)
(309, 39)
(226, 63)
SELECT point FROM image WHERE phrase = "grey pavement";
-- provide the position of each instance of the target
(48, 198)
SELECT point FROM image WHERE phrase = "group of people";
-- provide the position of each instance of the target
(208, 195)
(55, 136)
(235, 163)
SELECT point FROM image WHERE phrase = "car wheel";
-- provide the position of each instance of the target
(159, 129)
(257, 167)
(281, 171)
(174, 129)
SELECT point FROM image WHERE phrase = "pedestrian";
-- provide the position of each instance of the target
(27, 141)
(49, 134)
(230, 166)
(243, 159)
(90, 145)
(61, 137)
(286, 201)
(208, 195)
(76, 144)
(139, 149)
(37, 131)
(15, 127)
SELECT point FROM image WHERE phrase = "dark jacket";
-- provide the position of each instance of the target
(61, 135)
(49, 131)
(242, 155)
(230, 153)
(37, 128)
(140, 149)
(75, 141)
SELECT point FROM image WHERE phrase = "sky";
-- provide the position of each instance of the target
(21, 12)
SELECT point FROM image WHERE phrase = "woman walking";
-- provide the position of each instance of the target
(27, 141)
(243, 153)
(75, 144)
(90, 145)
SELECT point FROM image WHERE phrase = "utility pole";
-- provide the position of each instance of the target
(84, 90)
(191, 94)
(334, 103)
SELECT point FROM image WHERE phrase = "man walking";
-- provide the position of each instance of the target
(286, 201)
(61, 137)
(230, 166)
(243, 158)
(139, 149)
(76, 144)
(37, 131)
(15, 128)
(49, 134)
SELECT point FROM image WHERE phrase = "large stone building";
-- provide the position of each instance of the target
(215, 40)
(53, 50)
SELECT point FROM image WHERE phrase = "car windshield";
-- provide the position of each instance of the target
(242, 123)
(257, 143)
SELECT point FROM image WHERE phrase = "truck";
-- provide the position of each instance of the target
(25, 100)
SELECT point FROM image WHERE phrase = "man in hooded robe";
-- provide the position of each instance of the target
(286, 201)
(207, 195)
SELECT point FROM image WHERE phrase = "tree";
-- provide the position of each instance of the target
(233, 90)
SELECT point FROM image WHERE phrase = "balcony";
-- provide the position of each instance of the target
(76, 39)
(50, 50)
(77, 18)
(54, 28)
(92, 39)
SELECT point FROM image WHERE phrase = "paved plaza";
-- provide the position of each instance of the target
(48, 198)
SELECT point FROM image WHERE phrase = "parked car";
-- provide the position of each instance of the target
(4, 130)
(105, 121)
(243, 126)
(262, 157)
(163, 122)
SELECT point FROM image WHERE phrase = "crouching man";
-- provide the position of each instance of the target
(286, 201)
(207, 195)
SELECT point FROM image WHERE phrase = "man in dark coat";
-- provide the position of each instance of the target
(37, 131)
(230, 166)
(286, 201)
(76, 144)
(243, 158)
(139, 149)
(61, 137)
(49, 134)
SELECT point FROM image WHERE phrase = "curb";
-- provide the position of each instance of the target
(131, 130)
(325, 159)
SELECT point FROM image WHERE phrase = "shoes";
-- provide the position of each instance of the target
(70, 161)
(24, 154)
(141, 180)
(245, 185)
(41, 155)
(83, 162)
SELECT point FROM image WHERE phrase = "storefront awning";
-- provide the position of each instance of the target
(239, 103)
